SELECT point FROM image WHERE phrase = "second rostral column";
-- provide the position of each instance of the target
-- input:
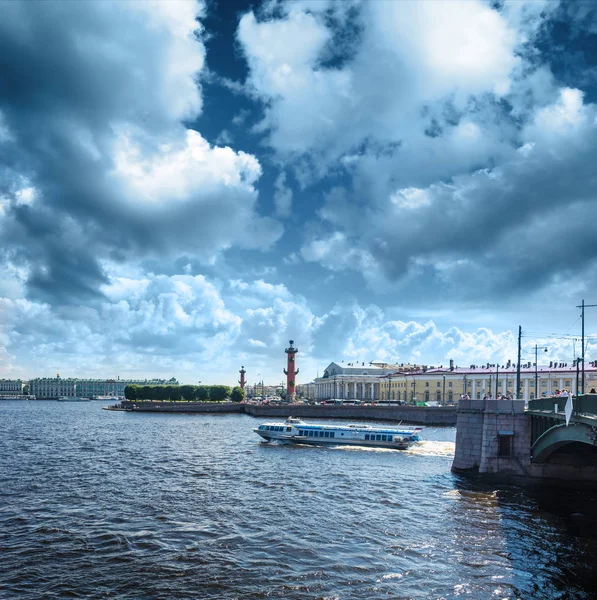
(291, 373)
(242, 377)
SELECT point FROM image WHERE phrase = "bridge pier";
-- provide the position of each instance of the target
(499, 439)
(493, 437)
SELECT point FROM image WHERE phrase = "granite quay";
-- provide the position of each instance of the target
(424, 415)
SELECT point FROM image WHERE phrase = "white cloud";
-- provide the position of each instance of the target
(408, 57)
(282, 196)
(181, 171)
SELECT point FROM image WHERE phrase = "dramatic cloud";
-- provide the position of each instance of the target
(432, 163)
(462, 151)
(97, 161)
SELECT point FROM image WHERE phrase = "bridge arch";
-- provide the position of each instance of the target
(561, 435)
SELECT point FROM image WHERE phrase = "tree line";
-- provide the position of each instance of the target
(188, 393)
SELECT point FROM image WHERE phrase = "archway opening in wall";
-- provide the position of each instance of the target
(450, 396)
(573, 455)
(438, 396)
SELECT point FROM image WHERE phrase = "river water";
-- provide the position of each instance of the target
(99, 504)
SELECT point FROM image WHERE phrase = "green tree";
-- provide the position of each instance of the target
(187, 392)
(172, 392)
(218, 393)
(203, 393)
(238, 394)
(130, 392)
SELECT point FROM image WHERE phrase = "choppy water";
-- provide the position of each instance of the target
(98, 504)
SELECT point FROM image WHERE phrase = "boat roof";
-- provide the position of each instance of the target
(379, 429)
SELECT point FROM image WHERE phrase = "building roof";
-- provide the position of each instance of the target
(491, 369)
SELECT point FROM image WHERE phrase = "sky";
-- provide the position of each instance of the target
(187, 186)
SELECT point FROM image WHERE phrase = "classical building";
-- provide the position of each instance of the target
(11, 387)
(56, 387)
(355, 380)
(446, 385)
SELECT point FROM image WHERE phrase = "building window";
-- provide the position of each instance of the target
(544, 384)
(505, 445)
(567, 383)
(426, 396)
(449, 384)
(426, 384)
(438, 384)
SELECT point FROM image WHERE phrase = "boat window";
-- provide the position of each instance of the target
(384, 438)
(366, 436)
(321, 434)
(389, 438)
(327, 434)
(332, 434)
(310, 434)
(378, 437)
(289, 429)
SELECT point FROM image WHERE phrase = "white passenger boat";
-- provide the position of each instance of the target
(295, 431)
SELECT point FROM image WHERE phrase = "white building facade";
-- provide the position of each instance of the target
(59, 387)
(354, 381)
(11, 387)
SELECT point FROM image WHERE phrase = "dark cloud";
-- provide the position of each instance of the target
(79, 82)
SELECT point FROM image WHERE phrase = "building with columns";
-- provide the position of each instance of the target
(11, 387)
(57, 387)
(446, 385)
(355, 380)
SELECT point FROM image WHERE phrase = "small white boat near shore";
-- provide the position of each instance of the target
(72, 399)
(296, 431)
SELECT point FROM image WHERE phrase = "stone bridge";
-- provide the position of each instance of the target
(507, 440)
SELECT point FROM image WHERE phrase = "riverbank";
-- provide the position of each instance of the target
(420, 415)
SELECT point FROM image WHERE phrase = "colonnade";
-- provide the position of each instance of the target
(346, 390)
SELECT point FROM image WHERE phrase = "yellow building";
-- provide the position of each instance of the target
(446, 385)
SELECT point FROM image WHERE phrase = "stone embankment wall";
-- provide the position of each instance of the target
(422, 415)
(184, 407)
(479, 426)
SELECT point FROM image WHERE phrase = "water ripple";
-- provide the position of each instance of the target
(96, 504)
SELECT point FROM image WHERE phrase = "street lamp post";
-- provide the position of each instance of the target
(544, 348)
(582, 314)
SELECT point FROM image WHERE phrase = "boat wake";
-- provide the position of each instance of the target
(432, 448)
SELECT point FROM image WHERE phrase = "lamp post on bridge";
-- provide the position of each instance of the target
(544, 348)
(582, 307)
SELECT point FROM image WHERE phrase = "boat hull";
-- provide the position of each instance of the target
(295, 431)
(327, 442)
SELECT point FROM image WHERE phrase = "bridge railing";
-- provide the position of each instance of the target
(586, 404)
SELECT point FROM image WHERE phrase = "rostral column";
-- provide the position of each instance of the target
(242, 377)
(291, 373)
